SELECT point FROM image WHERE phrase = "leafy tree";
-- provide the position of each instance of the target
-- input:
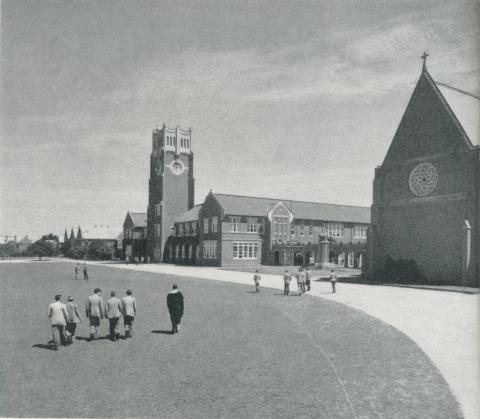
(8, 249)
(76, 253)
(99, 251)
(49, 237)
(41, 248)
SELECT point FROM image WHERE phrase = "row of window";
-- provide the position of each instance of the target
(129, 233)
(279, 228)
(330, 230)
(172, 141)
(241, 250)
(245, 250)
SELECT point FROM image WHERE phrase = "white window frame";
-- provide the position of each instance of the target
(205, 225)
(252, 225)
(334, 229)
(210, 249)
(214, 224)
(360, 231)
(157, 208)
(158, 230)
(245, 250)
(235, 225)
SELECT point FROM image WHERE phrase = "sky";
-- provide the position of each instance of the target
(296, 100)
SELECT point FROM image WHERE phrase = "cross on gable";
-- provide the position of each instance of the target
(424, 58)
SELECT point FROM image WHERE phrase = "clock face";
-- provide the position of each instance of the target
(177, 167)
(423, 179)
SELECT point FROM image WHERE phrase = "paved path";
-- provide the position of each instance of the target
(444, 324)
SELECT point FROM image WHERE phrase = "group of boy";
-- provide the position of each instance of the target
(304, 278)
(96, 310)
(85, 271)
(64, 317)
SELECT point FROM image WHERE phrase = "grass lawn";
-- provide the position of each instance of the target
(238, 355)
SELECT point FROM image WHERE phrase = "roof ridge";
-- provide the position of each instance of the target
(291, 200)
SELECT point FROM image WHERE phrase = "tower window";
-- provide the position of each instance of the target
(214, 224)
(157, 210)
(235, 226)
(205, 225)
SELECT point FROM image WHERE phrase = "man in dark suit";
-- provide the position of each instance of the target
(175, 307)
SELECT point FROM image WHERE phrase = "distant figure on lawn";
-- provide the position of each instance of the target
(76, 271)
(95, 310)
(256, 279)
(175, 307)
(72, 317)
(286, 282)
(308, 277)
(113, 313)
(333, 280)
(85, 272)
(300, 281)
(129, 310)
(58, 317)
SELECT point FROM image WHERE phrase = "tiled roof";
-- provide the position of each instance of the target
(139, 218)
(100, 232)
(259, 207)
(190, 215)
(467, 110)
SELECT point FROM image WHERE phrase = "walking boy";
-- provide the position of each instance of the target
(300, 281)
(72, 316)
(308, 277)
(286, 282)
(113, 313)
(58, 317)
(85, 272)
(95, 311)
(256, 279)
(129, 310)
(333, 280)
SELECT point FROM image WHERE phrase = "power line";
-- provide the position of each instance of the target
(458, 90)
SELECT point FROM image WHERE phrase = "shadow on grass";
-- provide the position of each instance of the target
(88, 339)
(44, 346)
(162, 332)
(251, 292)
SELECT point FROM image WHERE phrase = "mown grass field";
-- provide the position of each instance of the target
(238, 355)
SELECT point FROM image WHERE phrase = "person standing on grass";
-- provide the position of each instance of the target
(175, 307)
(95, 311)
(129, 310)
(58, 317)
(85, 272)
(72, 316)
(76, 271)
(300, 281)
(286, 282)
(256, 280)
(333, 281)
(308, 277)
(113, 313)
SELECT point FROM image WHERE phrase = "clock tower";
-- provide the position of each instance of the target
(171, 185)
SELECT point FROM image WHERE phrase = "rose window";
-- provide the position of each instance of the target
(423, 179)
